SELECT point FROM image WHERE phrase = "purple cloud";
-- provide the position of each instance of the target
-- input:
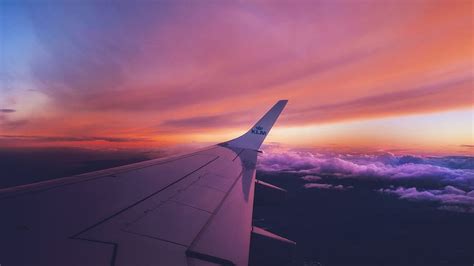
(443, 170)
(311, 178)
(413, 177)
(327, 186)
(449, 198)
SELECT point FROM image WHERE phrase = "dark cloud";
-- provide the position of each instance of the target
(212, 121)
(399, 96)
(73, 139)
(12, 124)
(7, 110)
(311, 178)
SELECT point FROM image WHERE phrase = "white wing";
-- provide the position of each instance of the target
(194, 209)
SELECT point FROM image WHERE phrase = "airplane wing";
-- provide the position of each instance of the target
(194, 209)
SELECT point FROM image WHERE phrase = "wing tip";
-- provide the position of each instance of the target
(254, 137)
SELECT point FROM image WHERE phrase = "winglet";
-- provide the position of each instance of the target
(254, 138)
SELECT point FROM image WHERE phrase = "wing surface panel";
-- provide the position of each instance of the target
(40, 224)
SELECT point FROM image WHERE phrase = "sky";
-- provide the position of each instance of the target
(359, 75)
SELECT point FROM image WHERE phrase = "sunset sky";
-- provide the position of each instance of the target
(380, 75)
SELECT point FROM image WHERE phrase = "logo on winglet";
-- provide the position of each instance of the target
(259, 130)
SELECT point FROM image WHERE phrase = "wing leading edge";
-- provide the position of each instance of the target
(194, 209)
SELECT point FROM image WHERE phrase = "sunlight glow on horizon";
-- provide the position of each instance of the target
(445, 132)
(371, 74)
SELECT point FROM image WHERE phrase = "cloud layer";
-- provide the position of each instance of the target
(448, 181)
(451, 169)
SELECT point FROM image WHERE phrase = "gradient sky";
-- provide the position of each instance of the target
(392, 75)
